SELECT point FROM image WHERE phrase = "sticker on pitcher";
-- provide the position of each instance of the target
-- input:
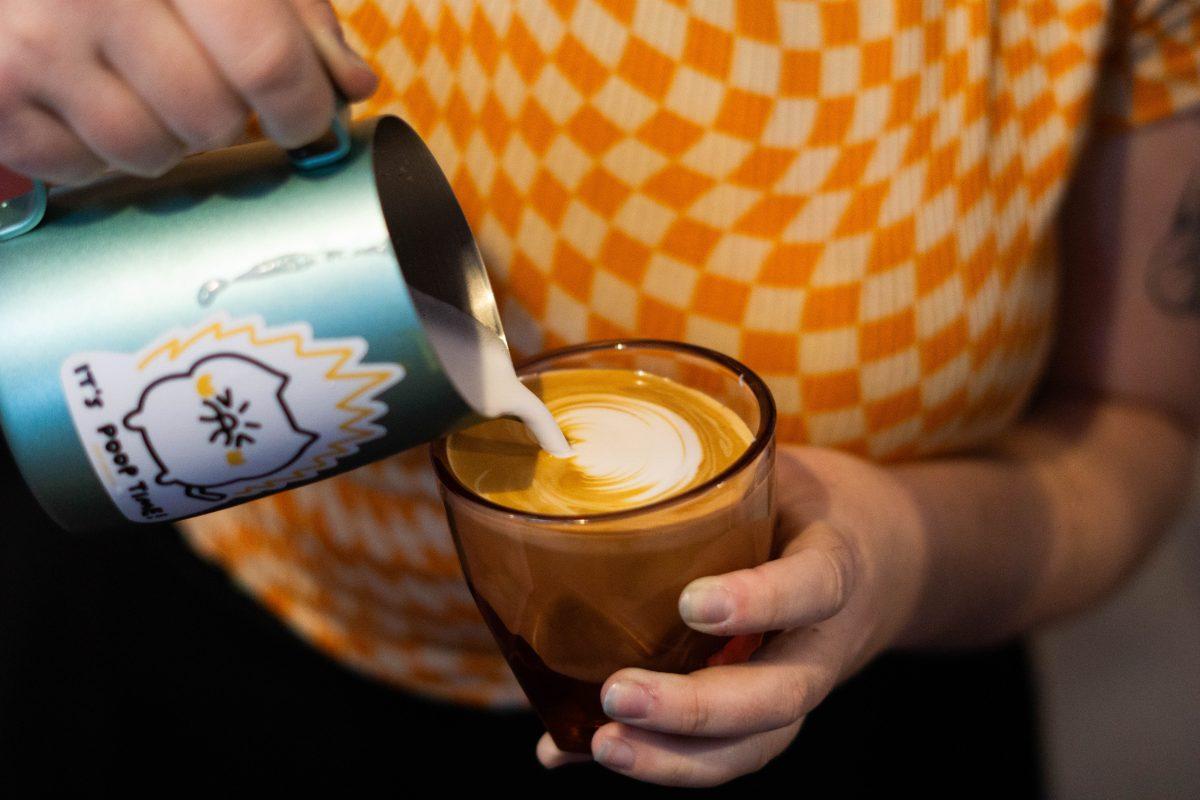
(222, 412)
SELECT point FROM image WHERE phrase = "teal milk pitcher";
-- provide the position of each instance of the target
(242, 325)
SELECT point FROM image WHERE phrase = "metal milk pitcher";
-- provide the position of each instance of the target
(242, 325)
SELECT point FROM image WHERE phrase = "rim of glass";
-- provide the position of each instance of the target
(762, 437)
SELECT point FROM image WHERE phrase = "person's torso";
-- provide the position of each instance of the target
(853, 198)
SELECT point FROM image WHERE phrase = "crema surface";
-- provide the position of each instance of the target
(635, 439)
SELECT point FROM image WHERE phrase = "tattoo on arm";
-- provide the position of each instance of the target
(1174, 278)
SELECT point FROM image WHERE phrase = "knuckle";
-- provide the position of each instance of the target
(841, 571)
(695, 710)
(776, 601)
(795, 697)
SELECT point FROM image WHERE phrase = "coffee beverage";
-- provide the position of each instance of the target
(634, 438)
(572, 593)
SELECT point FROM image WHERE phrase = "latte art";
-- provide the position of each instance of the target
(628, 447)
(635, 439)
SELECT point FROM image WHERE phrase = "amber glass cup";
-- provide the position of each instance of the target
(571, 600)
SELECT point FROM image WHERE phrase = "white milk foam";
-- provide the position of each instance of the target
(630, 446)
(623, 445)
(480, 367)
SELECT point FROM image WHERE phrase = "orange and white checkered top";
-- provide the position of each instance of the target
(854, 198)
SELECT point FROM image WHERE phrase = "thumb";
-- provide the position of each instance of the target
(811, 582)
(13, 185)
(350, 72)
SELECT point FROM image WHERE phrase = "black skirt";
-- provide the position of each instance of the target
(126, 661)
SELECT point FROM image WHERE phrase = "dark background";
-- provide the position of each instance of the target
(126, 661)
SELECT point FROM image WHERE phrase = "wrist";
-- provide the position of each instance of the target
(894, 518)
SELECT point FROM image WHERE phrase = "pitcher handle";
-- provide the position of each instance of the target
(330, 148)
(21, 214)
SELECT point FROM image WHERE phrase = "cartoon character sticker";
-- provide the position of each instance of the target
(223, 421)
(223, 411)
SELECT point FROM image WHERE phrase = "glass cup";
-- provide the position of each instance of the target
(572, 599)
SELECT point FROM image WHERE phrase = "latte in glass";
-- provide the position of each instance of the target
(577, 559)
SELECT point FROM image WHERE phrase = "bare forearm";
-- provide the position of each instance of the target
(1045, 522)
(1058, 511)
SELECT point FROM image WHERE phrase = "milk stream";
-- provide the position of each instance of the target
(480, 367)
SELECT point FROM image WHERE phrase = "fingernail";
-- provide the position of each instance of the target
(705, 602)
(615, 753)
(626, 700)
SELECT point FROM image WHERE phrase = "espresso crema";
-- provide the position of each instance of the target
(635, 438)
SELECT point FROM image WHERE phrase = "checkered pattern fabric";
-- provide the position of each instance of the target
(852, 197)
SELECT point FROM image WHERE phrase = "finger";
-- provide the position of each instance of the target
(787, 679)
(551, 757)
(114, 123)
(809, 584)
(352, 74)
(682, 761)
(36, 143)
(191, 98)
(266, 54)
